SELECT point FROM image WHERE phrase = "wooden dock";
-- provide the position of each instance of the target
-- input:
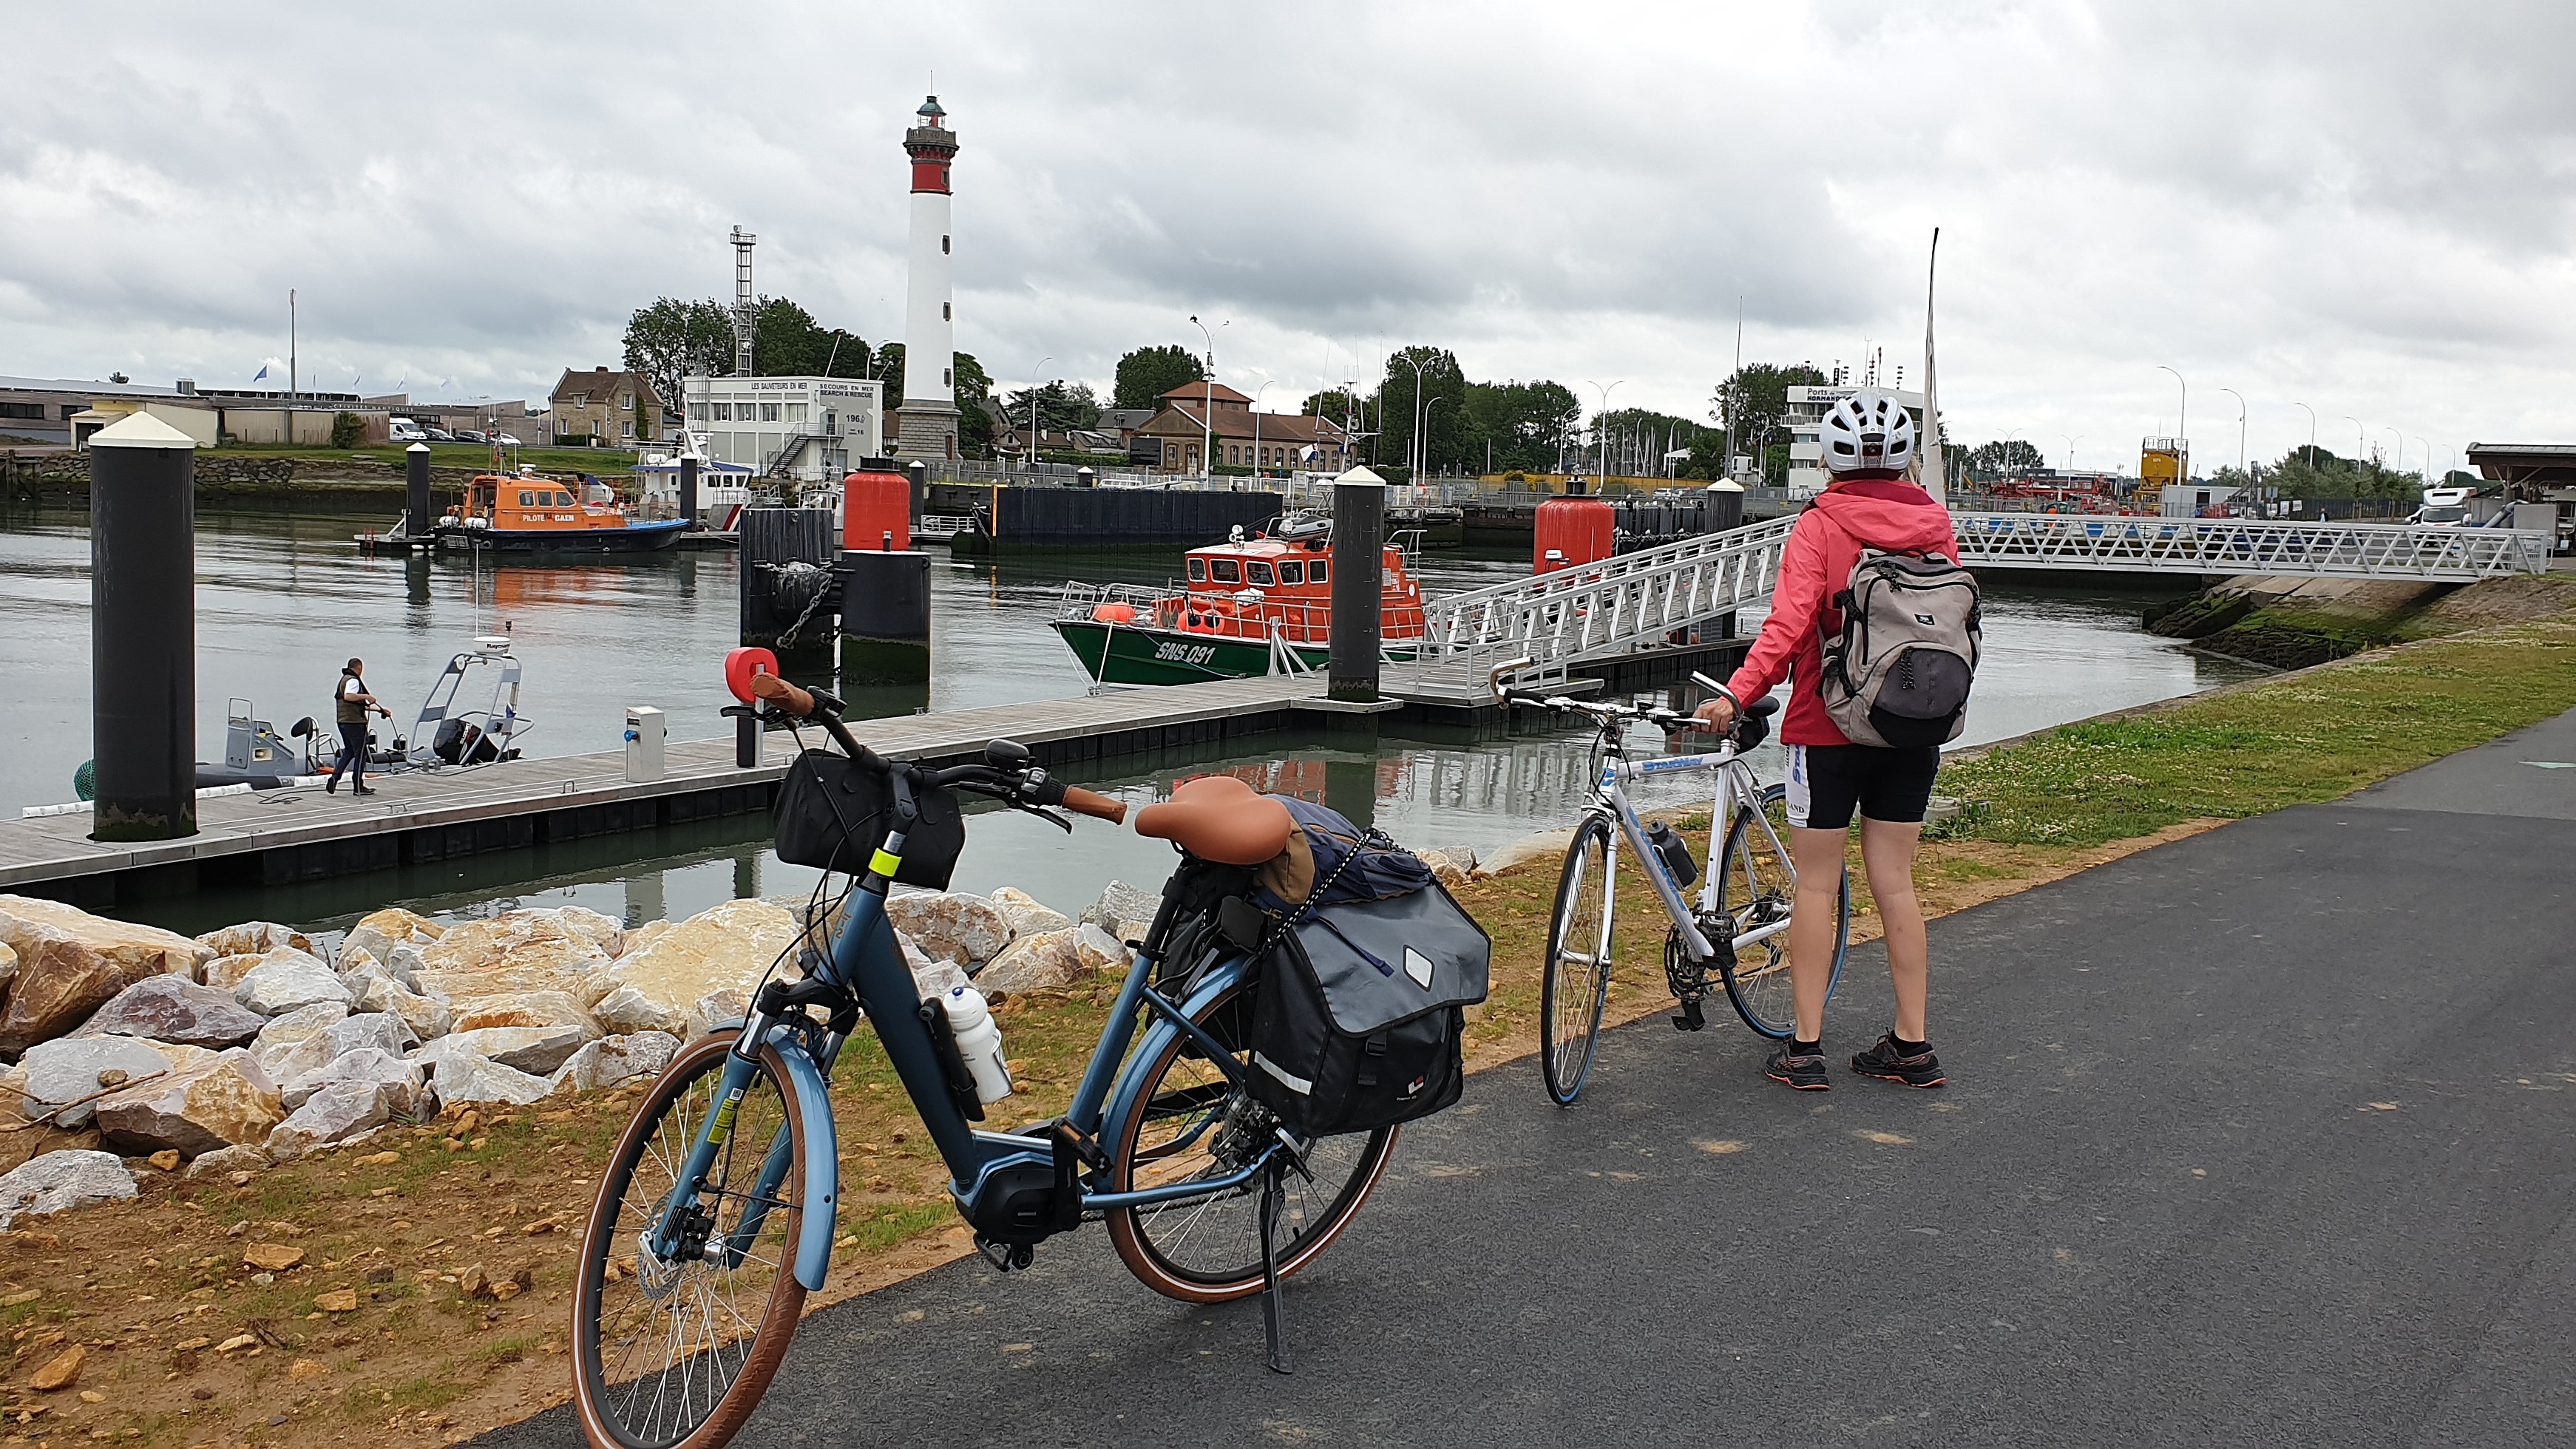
(273, 837)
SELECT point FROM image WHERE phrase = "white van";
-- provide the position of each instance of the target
(404, 430)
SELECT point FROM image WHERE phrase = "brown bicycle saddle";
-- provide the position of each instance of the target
(1219, 818)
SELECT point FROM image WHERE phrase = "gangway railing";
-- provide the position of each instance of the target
(2112, 543)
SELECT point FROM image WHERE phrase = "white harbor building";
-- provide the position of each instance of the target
(809, 429)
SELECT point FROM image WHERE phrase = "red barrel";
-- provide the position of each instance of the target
(874, 505)
(1578, 530)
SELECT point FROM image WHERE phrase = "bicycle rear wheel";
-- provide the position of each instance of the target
(1577, 980)
(1196, 1123)
(1755, 885)
(674, 1354)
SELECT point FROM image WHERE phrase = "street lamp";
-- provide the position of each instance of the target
(1256, 424)
(1207, 409)
(2311, 459)
(1031, 458)
(2240, 431)
(2360, 438)
(1413, 448)
(1600, 433)
(2428, 460)
(2071, 440)
(2182, 427)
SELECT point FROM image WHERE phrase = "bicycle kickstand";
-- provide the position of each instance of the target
(1271, 1327)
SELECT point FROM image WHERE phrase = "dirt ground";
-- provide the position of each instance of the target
(417, 1285)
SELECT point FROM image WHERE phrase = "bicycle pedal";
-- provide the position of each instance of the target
(1691, 1019)
(1005, 1257)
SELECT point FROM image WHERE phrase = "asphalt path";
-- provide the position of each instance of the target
(2264, 1137)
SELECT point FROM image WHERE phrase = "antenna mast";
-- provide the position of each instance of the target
(743, 242)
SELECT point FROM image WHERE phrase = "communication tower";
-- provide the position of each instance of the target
(743, 242)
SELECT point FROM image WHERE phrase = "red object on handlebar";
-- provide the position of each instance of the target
(742, 664)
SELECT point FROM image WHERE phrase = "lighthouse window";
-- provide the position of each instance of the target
(944, 314)
(947, 377)
(1227, 571)
(1198, 570)
(943, 246)
(1292, 573)
(1260, 573)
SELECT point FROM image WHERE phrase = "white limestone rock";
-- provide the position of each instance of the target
(290, 1029)
(69, 963)
(1047, 961)
(1542, 847)
(286, 979)
(966, 929)
(366, 1064)
(1097, 950)
(517, 951)
(340, 1112)
(69, 1068)
(59, 1182)
(465, 1077)
(614, 1060)
(376, 1030)
(936, 978)
(533, 1049)
(726, 948)
(1123, 910)
(380, 933)
(427, 1019)
(629, 1010)
(224, 1101)
(1027, 914)
(249, 1157)
(257, 938)
(523, 1008)
(1445, 867)
(725, 1006)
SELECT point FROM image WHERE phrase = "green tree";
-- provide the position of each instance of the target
(2310, 472)
(2005, 455)
(346, 430)
(1452, 439)
(1147, 373)
(786, 341)
(1527, 424)
(672, 339)
(1639, 438)
(1062, 406)
(1753, 400)
(974, 391)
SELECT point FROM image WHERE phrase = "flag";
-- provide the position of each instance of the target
(1929, 451)
(262, 373)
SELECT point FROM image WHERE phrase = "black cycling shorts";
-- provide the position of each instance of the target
(1827, 781)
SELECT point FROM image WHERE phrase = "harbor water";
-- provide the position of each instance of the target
(284, 599)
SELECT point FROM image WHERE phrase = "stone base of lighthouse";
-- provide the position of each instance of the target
(926, 430)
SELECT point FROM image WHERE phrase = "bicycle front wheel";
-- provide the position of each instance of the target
(1577, 983)
(1756, 885)
(1195, 1123)
(674, 1353)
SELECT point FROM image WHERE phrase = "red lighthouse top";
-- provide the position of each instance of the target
(932, 146)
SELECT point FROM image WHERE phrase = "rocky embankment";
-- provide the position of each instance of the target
(2291, 623)
(136, 1049)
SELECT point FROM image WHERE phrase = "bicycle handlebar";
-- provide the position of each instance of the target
(1020, 786)
(782, 696)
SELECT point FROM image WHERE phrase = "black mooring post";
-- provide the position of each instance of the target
(416, 519)
(885, 616)
(689, 488)
(1359, 540)
(143, 631)
(919, 473)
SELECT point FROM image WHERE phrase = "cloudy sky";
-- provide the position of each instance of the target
(2359, 206)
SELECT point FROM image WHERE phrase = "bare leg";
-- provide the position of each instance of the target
(1887, 854)
(1818, 854)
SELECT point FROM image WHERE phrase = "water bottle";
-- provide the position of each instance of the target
(1675, 851)
(979, 1041)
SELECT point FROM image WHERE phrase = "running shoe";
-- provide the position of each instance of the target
(1887, 1062)
(1806, 1073)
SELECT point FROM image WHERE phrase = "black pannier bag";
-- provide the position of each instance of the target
(1360, 1020)
(833, 812)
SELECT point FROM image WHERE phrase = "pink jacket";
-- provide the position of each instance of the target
(1826, 541)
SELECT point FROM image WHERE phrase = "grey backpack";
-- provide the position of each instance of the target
(1898, 675)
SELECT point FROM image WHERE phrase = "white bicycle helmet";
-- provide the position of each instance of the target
(1867, 432)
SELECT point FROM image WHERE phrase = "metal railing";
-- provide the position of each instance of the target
(2112, 544)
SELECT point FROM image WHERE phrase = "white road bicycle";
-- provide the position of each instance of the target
(1738, 926)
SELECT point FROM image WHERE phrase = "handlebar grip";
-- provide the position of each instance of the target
(782, 695)
(1095, 804)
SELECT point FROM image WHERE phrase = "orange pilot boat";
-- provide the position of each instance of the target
(1250, 605)
(525, 513)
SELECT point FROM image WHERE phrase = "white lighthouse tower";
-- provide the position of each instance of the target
(927, 427)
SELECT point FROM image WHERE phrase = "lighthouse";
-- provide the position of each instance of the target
(927, 427)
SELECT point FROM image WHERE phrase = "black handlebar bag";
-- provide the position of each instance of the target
(1361, 1020)
(833, 812)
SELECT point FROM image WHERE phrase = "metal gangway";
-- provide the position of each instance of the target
(1558, 621)
(2112, 543)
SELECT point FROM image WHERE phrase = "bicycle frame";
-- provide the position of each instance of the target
(1736, 790)
(866, 961)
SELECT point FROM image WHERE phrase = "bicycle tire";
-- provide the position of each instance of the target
(1757, 977)
(1208, 1250)
(1571, 1000)
(615, 1297)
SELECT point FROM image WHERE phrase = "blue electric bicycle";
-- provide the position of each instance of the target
(715, 1216)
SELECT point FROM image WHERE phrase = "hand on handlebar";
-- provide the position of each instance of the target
(1716, 716)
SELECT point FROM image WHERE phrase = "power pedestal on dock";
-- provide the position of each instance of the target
(645, 734)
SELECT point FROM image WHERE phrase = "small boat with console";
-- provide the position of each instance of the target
(526, 513)
(1261, 604)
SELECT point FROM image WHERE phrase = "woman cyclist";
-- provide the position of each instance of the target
(1869, 442)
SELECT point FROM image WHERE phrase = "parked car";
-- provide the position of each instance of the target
(439, 435)
(470, 435)
(506, 441)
